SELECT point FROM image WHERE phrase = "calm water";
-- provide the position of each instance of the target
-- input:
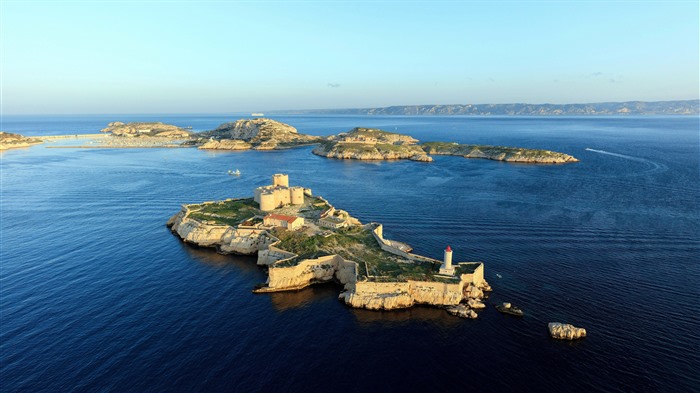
(96, 294)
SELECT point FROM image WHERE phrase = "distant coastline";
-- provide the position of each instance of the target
(678, 107)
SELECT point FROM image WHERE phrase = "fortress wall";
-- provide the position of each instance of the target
(386, 246)
(303, 274)
(379, 295)
(268, 202)
(244, 241)
(436, 293)
(272, 255)
(476, 278)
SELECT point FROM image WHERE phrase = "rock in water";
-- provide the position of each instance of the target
(564, 331)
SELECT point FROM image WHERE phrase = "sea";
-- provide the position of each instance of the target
(97, 295)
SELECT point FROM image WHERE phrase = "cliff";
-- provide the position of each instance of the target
(13, 141)
(680, 107)
(499, 153)
(260, 134)
(154, 129)
(371, 144)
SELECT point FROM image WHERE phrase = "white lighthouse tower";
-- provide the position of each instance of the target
(446, 267)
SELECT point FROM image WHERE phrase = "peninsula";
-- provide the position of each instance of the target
(302, 240)
(14, 141)
(375, 144)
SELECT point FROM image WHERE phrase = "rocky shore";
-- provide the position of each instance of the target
(14, 141)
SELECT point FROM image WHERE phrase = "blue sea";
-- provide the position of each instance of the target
(96, 294)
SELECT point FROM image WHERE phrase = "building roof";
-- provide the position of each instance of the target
(289, 219)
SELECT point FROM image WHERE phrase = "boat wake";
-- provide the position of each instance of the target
(653, 166)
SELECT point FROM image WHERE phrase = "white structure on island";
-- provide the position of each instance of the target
(447, 268)
(279, 194)
(288, 222)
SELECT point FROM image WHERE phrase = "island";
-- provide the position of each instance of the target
(498, 153)
(303, 239)
(375, 144)
(371, 144)
(258, 134)
(146, 129)
(13, 141)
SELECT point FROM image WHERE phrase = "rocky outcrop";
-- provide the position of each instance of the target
(498, 153)
(155, 129)
(226, 144)
(371, 144)
(563, 331)
(13, 141)
(261, 134)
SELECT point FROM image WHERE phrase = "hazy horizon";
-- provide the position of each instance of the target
(88, 57)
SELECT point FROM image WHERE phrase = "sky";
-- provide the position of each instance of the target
(144, 56)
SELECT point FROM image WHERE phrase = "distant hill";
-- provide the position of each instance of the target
(686, 107)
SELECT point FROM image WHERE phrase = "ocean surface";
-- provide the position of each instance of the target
(96, 294)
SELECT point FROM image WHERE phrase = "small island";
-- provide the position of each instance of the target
(14, 141)
(371, 144)
(258, 134)
(498, 153)
(375, 144)
(302, 239)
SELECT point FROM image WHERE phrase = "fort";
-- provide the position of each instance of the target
(302, 239)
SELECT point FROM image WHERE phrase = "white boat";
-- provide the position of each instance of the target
(257, 114)
(234, 173)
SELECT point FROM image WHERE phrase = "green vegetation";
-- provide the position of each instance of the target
(231, 212)
(359, 245)
(493, 152)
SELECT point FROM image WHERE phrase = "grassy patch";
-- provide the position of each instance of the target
(231, 212)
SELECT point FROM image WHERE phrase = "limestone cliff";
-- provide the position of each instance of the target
(261, 134)
(371, 144)
(137, 129)
(498, 153)
(226, 144)
(13, 141)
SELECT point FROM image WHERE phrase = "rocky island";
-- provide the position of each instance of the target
(146, 129)
(13, 141)
(375, 144)
(302, 239)
(259, 134)
(498, 153)
(371, 144)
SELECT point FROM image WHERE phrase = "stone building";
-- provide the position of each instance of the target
(288, 222)
(279, 194)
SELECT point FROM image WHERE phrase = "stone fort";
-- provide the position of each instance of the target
(279, 194)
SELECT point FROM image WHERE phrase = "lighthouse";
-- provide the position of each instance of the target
(446, 267)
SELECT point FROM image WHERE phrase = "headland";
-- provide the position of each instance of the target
(303, 239)
(14, 141)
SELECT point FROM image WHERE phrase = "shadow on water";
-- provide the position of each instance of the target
(398, 317)
(209, 257)
(283, 301)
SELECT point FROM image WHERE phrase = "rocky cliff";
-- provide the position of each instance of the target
(498, 153)
(261, 134)
(13, 141)
(155, 129)
(371, 144)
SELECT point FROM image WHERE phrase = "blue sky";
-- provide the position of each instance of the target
(239, 56)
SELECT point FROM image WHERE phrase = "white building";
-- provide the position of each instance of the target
(288, 222)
